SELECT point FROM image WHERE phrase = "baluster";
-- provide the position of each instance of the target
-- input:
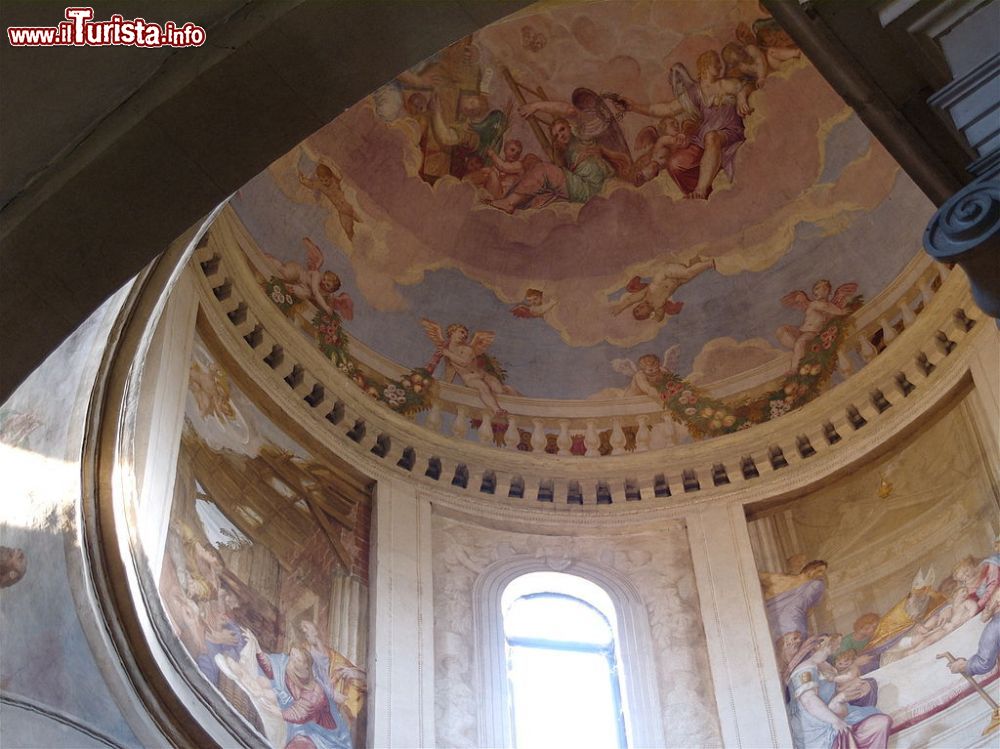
(591, 440)
(460, 426)
(512, 438)
(531, 488)
(564, 442)
(868, 351)
(844, 361)
(909, 316)
(943, 272)
(888, 332)
(617, 437)
(669, 430)
(538, 441)
(503, 485)
(642, 434)
(433, 420)
(926, 292)
(486, 429)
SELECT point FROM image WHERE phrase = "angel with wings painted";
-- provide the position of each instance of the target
(717, 104)
(533, 305)
(656, 146)
(818, 312)
(649, 372)
(312, 283)
(467, 358)
(326, 182)
(654, 298)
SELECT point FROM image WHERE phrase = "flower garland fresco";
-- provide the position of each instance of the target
(408, 395)
(523, 211)
(701, 415)
(704, 416)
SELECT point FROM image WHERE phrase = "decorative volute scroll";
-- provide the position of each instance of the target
(966, 231)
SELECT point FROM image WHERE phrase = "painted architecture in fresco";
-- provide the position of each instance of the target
(588, 184)
(883, 612)
(265, 576)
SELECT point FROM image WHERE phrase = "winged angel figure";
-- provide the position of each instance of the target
(818, 312)
(648, 375)
(707, 132)
(468, 359)
(312, 282)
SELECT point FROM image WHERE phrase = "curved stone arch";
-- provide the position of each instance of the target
(640, 695)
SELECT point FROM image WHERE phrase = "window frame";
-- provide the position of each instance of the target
(608, 651)
(637, 681)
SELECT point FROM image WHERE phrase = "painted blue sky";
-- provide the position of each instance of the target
(871, 250)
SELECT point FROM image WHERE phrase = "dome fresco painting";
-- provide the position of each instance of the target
(588, 202)
(280, 488)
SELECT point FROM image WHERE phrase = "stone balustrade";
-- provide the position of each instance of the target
(538, 459)
(573, 428)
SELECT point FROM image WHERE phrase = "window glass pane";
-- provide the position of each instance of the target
(563, 699)
(555, 617)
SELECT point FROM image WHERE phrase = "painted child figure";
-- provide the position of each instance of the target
(506, 170)
(961, 607)
(656, 145)
(653, 299)
(464, 357)
(818, 312)
(312, 283)
(847, 665)
(861, 633)
(646, 378)
(328, 184)
(533, 305)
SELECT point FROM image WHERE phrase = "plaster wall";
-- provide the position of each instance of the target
(655, 560)
(52, 660)
(692, 563)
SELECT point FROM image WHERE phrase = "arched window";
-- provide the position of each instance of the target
(562, 654)
(574, 610)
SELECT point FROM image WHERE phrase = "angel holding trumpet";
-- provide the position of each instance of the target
(468, 359)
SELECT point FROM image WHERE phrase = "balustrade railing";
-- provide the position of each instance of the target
(439, 450)
(592, 427)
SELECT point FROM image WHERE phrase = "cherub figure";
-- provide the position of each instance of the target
(312, 283)
(497, 178)
(328, 184)
(652, 299)
(505, 171)
(769, 41)
(846, 672)
(468, 359)
(210, 388)
(818, 312)
(531, 40)
(533, 305)
(13, 565)
(648, 375)
(655, 145)
(751, 60)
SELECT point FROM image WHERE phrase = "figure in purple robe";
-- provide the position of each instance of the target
(788, 611)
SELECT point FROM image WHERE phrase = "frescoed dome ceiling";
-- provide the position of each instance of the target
(581, 185)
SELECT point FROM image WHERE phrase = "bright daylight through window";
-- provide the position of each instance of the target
(562, 663)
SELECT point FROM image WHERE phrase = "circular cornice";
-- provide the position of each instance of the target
(921, 366)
